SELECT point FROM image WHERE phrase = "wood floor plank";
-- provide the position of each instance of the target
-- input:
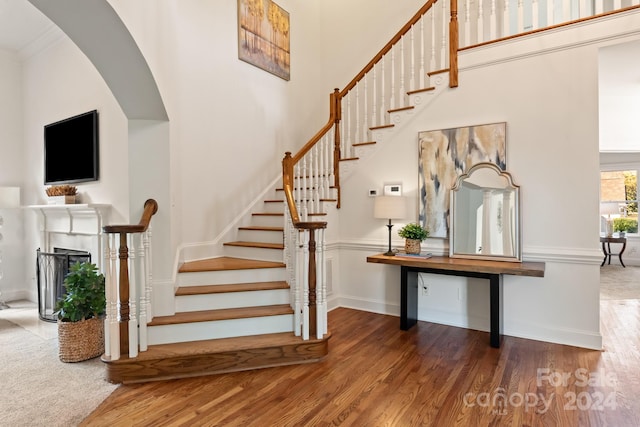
(432, 375)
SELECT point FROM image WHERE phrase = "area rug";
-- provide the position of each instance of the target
(36, 388)
(619, 283)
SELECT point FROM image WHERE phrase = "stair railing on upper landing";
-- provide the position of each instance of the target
(128, 285)
(426, 47)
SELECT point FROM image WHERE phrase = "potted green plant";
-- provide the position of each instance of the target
(413, 234)
(625, 225)
(80, 313)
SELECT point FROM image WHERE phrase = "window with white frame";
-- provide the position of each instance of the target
(619, 200)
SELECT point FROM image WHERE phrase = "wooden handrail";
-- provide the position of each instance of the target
(424, 9)
(150, 208)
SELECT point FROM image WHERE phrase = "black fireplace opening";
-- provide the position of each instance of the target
(51, 269)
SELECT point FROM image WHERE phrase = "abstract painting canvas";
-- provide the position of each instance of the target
(263, 36)
(446, 154)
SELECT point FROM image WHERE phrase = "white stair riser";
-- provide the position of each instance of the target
(231, 300)
(199, 331)
(267, 220)
(276, 207)
(261, 236)
(261, 254)
(225, 277)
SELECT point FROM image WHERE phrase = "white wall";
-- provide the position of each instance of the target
(550, 104)
(10, 119)
(58, 83)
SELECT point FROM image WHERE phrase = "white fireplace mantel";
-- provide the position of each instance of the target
(72, 219)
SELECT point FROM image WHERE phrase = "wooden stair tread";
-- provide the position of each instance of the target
(274, 201)
(164, 351)
(222, 314)
(227, 263)
(395, 110)
(262, 245)
(360, 144)
(209, 357)
(348, 159)
(261, 228)
(232, 287)
(426, 89)
(381, 127)
(268, 214)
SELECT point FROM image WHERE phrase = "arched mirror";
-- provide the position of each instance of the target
(485, 212)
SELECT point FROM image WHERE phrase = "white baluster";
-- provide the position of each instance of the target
(144, 298)
(445, 32)
(365, 113)
(423, 72)
(322, 147)
(392, 98)
(598, 7)
(467, 23)
(383, 83)
(550, 13)
(480, 35)
(402, 92)
(505, 19)
(115, 298)
(149, 273)
(321, 287)
(317, 177)
(535, 15)
(357, 131)
(305, 284)
(432, 63)
(617, 4)
(133, 297)
(585, 9)
(305, 197)
(520, 17)
(374, 106)
(412, 80)
(566, 11)
(348, 142)
(108, 290)
(493, 22)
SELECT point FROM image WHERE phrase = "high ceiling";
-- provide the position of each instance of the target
(21, 25)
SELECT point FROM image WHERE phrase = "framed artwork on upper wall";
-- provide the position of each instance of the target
(446, 154)
(263, 36)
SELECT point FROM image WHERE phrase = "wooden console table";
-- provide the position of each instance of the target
(607, 249)
(491, 270)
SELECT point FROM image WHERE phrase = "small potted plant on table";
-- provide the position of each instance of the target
(413, 234)
(625, 225)
(80, 314)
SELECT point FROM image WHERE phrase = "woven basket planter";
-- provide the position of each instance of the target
(78, 341)
(412, 246)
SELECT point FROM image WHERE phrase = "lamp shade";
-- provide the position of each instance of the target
(9, 197)
(610, 208)
(390, 207)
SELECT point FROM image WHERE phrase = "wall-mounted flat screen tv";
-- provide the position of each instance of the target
(71, 150)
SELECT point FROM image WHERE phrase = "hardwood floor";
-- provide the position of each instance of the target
(431, 375)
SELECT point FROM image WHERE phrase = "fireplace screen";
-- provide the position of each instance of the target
(51, 269)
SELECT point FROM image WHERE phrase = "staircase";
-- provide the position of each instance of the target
(233, 313)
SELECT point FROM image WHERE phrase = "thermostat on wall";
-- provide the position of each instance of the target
(393, 190)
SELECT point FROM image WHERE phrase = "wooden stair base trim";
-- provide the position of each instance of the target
(232, 287)
(199, 358)
(222, 314)
(227, 263)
